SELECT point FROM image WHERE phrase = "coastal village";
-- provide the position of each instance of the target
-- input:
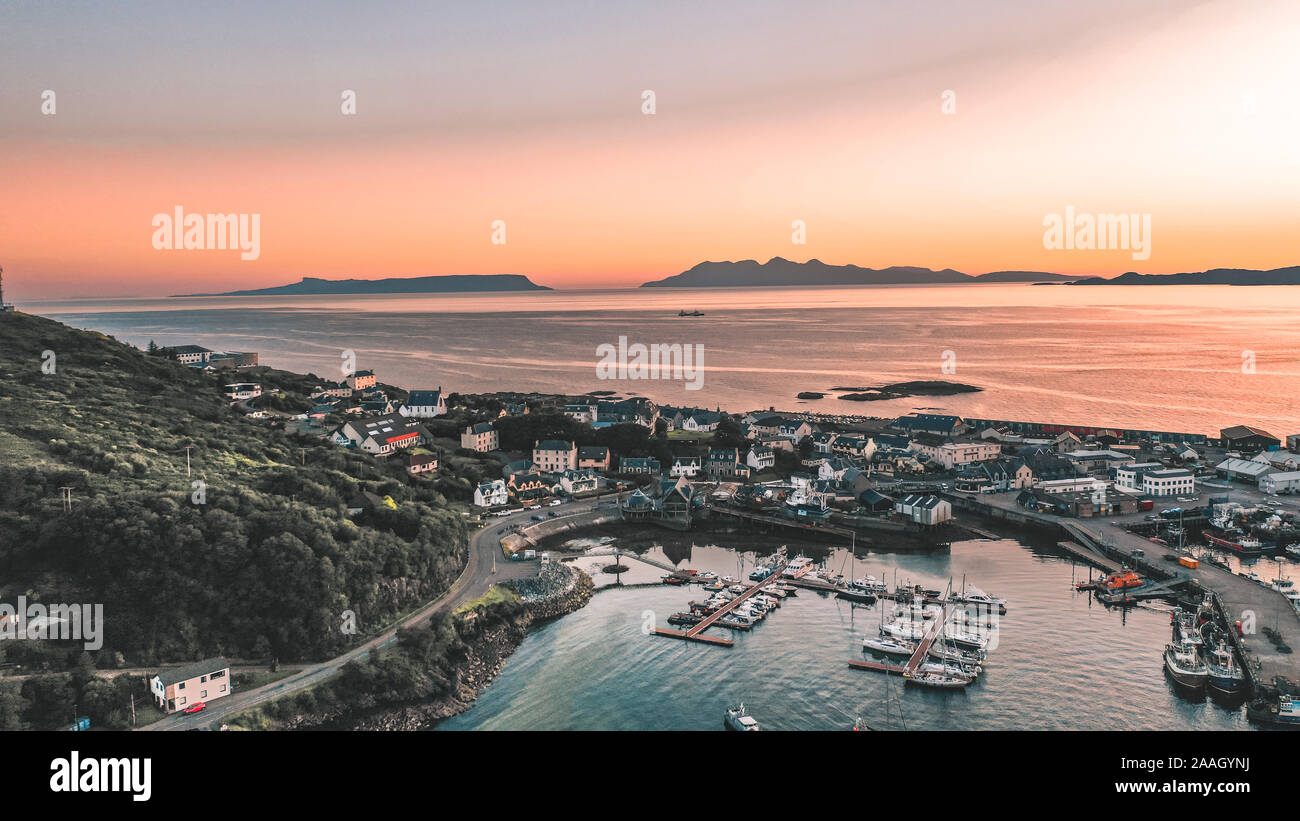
(1174, 502)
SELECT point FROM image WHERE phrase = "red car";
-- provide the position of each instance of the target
(195, 707)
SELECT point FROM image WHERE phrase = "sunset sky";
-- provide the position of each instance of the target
(531, 113)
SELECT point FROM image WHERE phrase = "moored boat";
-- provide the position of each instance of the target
(1223, 673)
(888, 646)
(1185, 666)
(940, 681)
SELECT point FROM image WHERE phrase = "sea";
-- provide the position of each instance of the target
(1178, 358)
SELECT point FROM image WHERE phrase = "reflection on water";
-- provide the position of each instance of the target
(1062, 662)
(1166, 357)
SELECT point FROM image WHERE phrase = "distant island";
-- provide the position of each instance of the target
(456, 283)
(780, 271)
(1215, 276)
(900, 390)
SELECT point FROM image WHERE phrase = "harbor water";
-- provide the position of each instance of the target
(1062, 660)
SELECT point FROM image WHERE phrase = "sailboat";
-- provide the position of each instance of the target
(858, 590)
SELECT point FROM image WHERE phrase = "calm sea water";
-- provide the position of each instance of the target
(1063, 662)
(1168, 357)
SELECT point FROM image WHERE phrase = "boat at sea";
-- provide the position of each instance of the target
(760, 573)
(1185, 666)
(738, 718)
(690, 313)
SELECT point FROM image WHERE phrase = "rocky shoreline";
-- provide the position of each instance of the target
(557, 591)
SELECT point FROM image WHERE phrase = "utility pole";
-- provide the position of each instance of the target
(66, 498)
(304, 455)
(187, 461)
(133, 709)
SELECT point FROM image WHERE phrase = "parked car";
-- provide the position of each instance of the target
(196, 707)
(538, 518)
(555, 503)
(534, 507)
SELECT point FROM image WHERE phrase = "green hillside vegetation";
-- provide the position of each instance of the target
(263, 567)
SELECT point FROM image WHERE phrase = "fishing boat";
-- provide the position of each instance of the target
(1224, 674)
(737, 589)
(760, 573)
(1283, 585)
(1185, 666)
(1233, 540)
(713, 586)
(1293, 550)
(888, 646)
(1185, 632)
(738, 718)
(690, 313)
(1285, 712)
(674, 580)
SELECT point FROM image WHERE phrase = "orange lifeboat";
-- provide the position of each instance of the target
(1123, 580)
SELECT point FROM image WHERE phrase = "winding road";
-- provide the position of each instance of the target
(474, 582)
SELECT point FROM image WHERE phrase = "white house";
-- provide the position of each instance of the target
(491, 494)
(578, 481)
(192, 354)
(243, 390)
(760, 457)
(685, 466)
(1169, 482)
(1129, 477)
(424, 404)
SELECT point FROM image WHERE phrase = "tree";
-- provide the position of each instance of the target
(805, 447)
(728, 433)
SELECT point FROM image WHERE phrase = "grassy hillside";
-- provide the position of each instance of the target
(264, 565)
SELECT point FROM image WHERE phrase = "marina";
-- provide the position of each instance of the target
(1061, 661)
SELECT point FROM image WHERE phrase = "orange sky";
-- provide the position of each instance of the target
(1188, 116)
